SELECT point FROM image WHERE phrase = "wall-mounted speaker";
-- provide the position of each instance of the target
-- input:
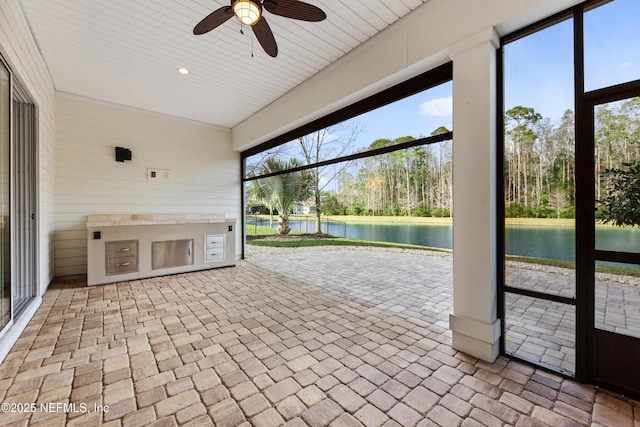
(122, 154)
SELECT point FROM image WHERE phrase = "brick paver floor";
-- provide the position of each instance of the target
(303, 337)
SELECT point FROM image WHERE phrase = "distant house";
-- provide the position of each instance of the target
(301, 209)
(306, 207)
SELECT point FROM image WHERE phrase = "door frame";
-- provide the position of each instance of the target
(603, 366)
(6, 246)
(586, 340)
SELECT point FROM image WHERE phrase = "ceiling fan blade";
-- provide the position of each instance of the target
(265, 36)
(212, 20)
(295, 9)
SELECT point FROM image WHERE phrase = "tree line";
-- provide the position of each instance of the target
(411, 182)
(539, 159)
(539, 170)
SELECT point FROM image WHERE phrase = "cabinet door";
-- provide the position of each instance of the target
(171, 253)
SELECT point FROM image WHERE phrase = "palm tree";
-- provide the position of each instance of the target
(281, 191)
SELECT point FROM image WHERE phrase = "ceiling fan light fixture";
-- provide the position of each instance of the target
(247, 11)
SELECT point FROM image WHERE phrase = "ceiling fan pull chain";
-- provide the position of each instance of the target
(252, 44)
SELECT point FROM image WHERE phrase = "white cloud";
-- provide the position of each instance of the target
(438, 107)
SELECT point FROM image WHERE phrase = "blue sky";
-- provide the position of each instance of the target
(539, 68)
(538, 73)
(612, 44)
(417, 115)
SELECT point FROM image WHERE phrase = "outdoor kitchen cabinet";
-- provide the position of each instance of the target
(135, 246)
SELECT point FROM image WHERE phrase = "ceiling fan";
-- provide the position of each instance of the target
(249, 12)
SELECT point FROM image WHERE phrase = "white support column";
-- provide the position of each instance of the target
(476, 329)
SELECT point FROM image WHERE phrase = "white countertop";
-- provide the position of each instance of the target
(111, 220)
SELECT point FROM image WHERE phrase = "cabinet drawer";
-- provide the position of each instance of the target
(123, 264)
(122, 248)
(215, 254)
(214, 241)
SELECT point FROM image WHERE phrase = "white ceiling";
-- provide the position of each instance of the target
(128, 52)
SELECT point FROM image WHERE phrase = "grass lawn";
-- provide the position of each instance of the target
(540, 222)
(542, 261)
(355, 219)
(259, 230)
(553, 222)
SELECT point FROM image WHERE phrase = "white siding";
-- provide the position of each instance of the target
(21, 52)
(205, 171)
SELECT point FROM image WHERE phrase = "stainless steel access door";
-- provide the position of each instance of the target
(171, 253)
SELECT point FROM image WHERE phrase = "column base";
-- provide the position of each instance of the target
(476, 339)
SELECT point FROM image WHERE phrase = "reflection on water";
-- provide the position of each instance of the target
(559, 242)
(531, 241)
(540, 242)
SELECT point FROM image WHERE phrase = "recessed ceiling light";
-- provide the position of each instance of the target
(183, 70)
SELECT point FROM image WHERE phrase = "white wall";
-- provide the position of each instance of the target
(19, 49)
(205, 171)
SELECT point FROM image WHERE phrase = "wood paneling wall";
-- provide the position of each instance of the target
(204, 170)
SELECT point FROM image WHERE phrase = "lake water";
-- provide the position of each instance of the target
(540, 242)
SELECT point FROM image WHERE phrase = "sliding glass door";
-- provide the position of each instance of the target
(24, 202)
(18, 200)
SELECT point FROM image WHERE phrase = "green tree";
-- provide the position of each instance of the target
(444, 174)
(440, 130)
(563, 171)
(281, 191)
(558, 200)
(331, 205)
(520, 130)
(621, 204)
